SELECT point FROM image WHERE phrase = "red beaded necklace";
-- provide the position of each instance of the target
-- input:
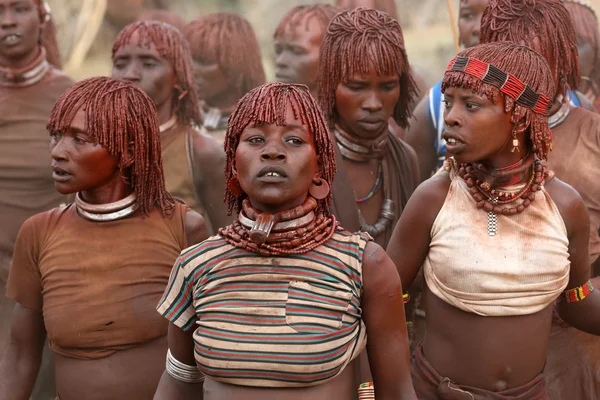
(295, 231)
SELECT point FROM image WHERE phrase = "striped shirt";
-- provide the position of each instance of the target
(278, 321)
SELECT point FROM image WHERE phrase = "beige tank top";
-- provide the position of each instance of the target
(520, 271)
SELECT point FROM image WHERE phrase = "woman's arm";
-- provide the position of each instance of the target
(181, 345)
(209, 179)
(21, 362)
(383, 314)
(196, 230)
(410, 241)
(420, 136)
(585, 314)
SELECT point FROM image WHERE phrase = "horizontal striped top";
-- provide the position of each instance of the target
(278, 321)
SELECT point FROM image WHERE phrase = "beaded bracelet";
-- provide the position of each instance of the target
(406, 297)
(366, 391)
(579, 293)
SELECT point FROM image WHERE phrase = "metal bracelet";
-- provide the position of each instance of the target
(183, 372)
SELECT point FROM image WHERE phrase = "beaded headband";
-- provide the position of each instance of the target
(584, 3)
(508, 84)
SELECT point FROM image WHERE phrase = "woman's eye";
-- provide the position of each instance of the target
(446, 103)
(255, 140)
(471, 106)
(295, 141)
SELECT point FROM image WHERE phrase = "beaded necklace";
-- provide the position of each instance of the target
(295, 231)
(492, 198)
(362, 150)
(375, 187)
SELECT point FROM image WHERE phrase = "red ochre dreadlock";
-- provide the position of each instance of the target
(585, 22)
(166, 16)
(387, 6)
(324, 13)
(48, 37)
(356, 41)
(171, 45)
(542, 22)
(268, 104)
(528, 66)
(228, 40)
(121, 118)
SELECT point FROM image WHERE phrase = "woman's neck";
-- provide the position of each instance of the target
(224, 101)
(108, 193)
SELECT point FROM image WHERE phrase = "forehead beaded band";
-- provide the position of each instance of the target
(508, 84)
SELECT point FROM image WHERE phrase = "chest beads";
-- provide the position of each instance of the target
(491, 188)
(363, 150)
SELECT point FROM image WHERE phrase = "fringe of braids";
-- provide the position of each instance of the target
(387, 6)
(122, 119)
(165, 16)
(48, 38)
(324, 13)
(585, 22)
(527, 65)
(524, 21)
(268, 104)
(171, 45)
(228, 40)
(356, 41)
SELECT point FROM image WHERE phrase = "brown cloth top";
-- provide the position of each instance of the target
(26, 185)
(176, 155)
(575, 158)
(97, 283)
(403, 180)
(430, 385)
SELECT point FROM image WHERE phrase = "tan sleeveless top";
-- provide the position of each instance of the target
(176, 155)
(519, 271)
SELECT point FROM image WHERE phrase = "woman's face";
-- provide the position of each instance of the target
(276, 165)
(476, 129)
(366, 102)
(144, 67)
(469, 21)
(297, 53)
(77, 163)
(211, 81)
(20, 29)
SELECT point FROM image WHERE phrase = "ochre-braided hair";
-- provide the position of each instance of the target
(172, 46)
(48, 37)
(585, 22)
(228, 40)
(166, 16)
(323, 13)
(268, 104)
(121, 118)
(525, 64)
(387, 6)
(548, 21)
(356, 41)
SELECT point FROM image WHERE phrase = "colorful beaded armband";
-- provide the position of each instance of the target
(406, 297)
(579, 293)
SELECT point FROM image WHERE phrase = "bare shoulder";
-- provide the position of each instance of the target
(569, 203)
(196, 230)
(433, 191)
(588, 123)
(206, 148)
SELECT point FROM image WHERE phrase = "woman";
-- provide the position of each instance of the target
(156, 57)
(498, 237)
(364, 80)
(89, 274)
(545, 26)
(30, 83)
(227, 64)
(297, 41)
(585, 22)
(280, 303)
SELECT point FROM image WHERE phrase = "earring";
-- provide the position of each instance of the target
(319, 189)
(515, 142)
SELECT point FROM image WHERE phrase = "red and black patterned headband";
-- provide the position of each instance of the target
(508, 84)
